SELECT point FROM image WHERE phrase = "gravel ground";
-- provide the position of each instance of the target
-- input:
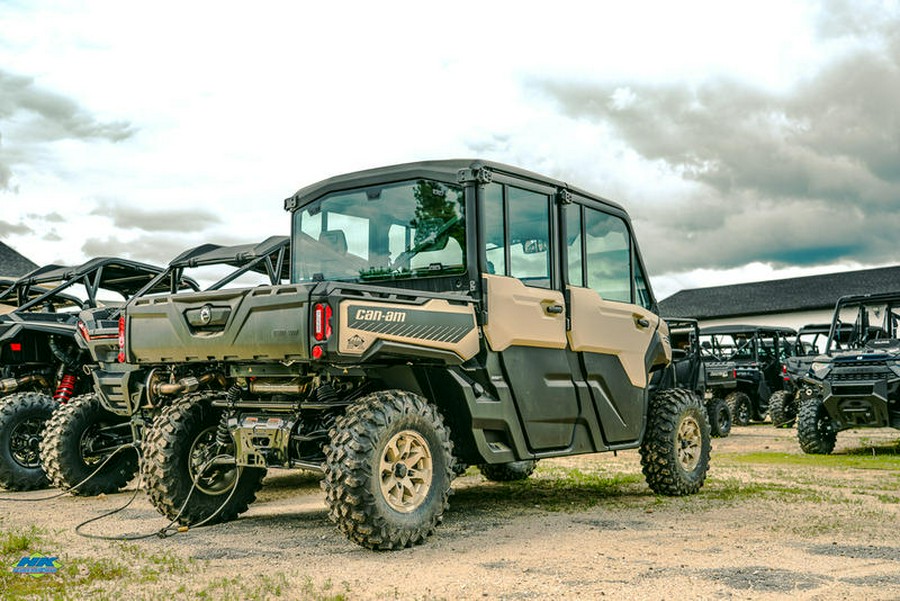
(771, 523)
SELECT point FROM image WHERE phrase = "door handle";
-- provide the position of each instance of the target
(555, 309)
(642, 322)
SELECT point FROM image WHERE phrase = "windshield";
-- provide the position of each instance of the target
(864, 324)
(401, 230)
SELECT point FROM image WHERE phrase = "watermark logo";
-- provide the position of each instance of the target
(37, 565)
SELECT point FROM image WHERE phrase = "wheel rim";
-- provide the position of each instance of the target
(722, 418)
(215, 479)
(406, 471)
(743, 412)
(689, 441)
(88, 442)
(25, 441)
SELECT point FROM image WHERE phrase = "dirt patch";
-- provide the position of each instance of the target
(771, 523)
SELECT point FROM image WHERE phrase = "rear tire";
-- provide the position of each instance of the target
(740, 407)
(508, 472)
(782, 409)
(815, 431)
(388, 468)
(23, 417)
(676, 445)
(68, 455)
(181, 441)
(719, 418)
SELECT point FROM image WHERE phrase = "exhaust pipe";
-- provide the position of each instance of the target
(189, 384)
(8, 385)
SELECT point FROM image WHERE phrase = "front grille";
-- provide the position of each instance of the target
(855, 371)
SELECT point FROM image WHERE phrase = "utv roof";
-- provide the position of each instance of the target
(680, 322)
(122, 276)
(453, 169)
(238, 255)
(268, 257)
(814, 328)
(860, 299)
(746, 329)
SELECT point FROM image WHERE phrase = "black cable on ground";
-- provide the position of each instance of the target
(132, 445)
(167, 530)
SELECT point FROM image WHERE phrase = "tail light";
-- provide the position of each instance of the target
(82, 329)
(15, 347)
(784, 374)
(121, 357)
(321, 322)
(321, 328)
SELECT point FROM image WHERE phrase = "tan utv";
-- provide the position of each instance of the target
(441, 314)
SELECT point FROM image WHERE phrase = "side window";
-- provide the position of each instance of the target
(573, 245)
(529, 236)
(608, 255)
(640, 286)
(494, 232)
(521, 248)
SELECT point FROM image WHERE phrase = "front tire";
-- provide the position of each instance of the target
(740, 407)
(388, 468)
(508, 472)
(719, 418)
(676, 445)
(22, 420)
(782, 409)
(79, 437)
(177, 463)
(815, 431)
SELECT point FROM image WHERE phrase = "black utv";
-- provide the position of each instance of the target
(810, 342)
(91, 445)
(758, 352)
(40, 362)
(710, 381)
(859, 386)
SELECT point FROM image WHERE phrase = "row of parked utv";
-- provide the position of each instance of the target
(824, 378)
(420, 319)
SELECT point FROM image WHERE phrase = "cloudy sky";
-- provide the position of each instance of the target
(748, 140)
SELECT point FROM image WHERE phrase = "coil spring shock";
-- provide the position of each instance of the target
(223, 437)
(65, 390)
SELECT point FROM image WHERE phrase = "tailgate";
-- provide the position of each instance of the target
(262, 323)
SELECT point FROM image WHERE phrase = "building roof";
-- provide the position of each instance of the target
(12, 264)
(808, 293)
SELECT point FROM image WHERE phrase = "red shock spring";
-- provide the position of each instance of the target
(65, 390)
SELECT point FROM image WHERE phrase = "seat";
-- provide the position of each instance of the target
(334, 240)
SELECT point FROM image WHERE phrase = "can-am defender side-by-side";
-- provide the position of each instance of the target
(758, 352)
(440, 313)
(810, 343)
(40, 362)
(859, 386)
(711, 381)
(82, 436)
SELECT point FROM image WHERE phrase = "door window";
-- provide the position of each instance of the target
(608, 255)
(522, 249)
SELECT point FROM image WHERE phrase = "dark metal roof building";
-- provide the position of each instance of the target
(12, 264)
(808, 293)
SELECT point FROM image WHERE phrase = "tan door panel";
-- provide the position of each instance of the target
(519, 315)
(612, 328)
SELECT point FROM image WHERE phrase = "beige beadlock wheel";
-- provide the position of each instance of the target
(388, 468)
(406, 471)
(690, 440)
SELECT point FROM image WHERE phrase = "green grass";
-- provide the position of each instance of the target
(857, 460)
(133, 565)
(551, 488)
(262, 587)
